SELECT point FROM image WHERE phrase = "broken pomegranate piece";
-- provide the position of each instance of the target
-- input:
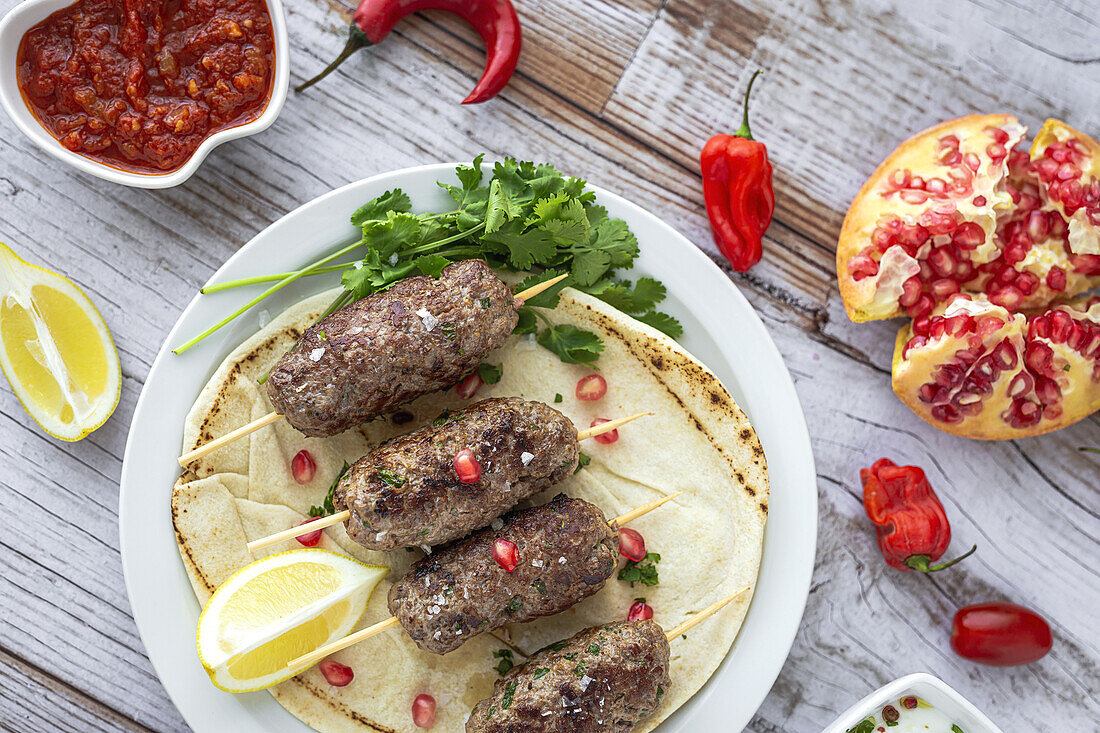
(977, 370)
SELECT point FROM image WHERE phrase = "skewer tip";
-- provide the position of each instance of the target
(534, 290)
(705, 614)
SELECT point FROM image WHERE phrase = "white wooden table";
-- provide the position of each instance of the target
(622, 92)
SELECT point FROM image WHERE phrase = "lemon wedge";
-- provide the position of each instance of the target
(277, 609)
(55, 350)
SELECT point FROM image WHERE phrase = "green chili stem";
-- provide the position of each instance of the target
(743, 131)
(230, 284)
(357, 39)
(273, 289)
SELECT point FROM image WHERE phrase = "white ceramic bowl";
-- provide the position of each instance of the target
(941, 695)
(29, 13)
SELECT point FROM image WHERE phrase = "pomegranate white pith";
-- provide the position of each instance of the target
(979, 371)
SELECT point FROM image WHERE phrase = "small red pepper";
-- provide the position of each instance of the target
(737, 188)
(912, 527)
(495, 20)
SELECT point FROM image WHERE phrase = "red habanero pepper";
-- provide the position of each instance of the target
(912, 527)
(737, 188)
(495, 20)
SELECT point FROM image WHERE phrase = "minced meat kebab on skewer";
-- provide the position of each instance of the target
(442, 481)
(605, 679)
(421, 335)
(533, 562)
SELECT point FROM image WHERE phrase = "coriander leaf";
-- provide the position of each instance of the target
(501, 207)
(360, 281)
(490, 374)
(583, 460)
(547, 298)
(470, 175)
(327, 507)
(563, 217)
(377, 208)
(663, 322)
(525, 248)
(644, 571)
(596, 214)
(527, 323)
(647, 293)
(431, 265)
(571, 344)
(589, 267)
(384, 238)
(616, 294)
(613, 237)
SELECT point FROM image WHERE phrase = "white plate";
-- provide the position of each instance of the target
(720, 328)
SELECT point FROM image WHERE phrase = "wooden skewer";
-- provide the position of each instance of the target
(308, 660)
(271, 417)
(339, 517)
(703, 615)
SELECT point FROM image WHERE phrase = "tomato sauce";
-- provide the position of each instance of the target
(139, 84)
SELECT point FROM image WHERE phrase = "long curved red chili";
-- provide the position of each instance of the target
(912, 526)
(737, 188)
(495, 20)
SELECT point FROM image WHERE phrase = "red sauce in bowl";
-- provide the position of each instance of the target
(139, 84)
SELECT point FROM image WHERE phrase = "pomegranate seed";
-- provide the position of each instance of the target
(606, 438)
(1020, 385)
(998, 135)
(424, 711)
(1039, 327)
(996, 151)
(862, 266)
(1078, 336)
(1039, 358)
(336, 674)
(1047, 391)
(932, 394)
(1056, 279)
(467, 467)
(922, 307)
(506, 554)
(1007, 297)
(591, 388)
(640, 610)
(302, 467)
(1037, 226)
(922, 326)
(914, 197)
(1027, 282)
(914, 343)
(469, 386)
(942, 261)
(1060, 325)
(973, 162)
(1068, 172)
(938, 186)
(989, 324)
(1005, 356)
(969, 235)
(910, 292)
(900, 178)
(947, 413)
(944, 289)
(631, 544)
(949, 141)
(310, 539)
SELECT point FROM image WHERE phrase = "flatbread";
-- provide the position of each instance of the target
(698, 441)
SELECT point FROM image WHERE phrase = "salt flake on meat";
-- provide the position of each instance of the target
(427, 549)
(317, 353)
(585, 682)
(497, 523)
(526, 457)
(429, 320)
(536, 563)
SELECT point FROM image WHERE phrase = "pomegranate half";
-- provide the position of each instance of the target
(961, 209)
(980, 371)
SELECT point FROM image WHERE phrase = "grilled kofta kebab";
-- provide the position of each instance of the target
(531, 563)
(367, 358)
(421, 335)
(446, 479)
(604, 679)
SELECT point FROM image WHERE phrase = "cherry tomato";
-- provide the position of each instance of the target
(1000, 634)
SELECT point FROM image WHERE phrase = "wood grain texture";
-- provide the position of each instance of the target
(623, 93)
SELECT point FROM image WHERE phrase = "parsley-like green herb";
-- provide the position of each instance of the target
(580, 669)
(955, 728)
(593, 648)
(485, 302)
(522, 217)
(326, 507)
(505, 664)
(540, 586)
(489, 373)
(514, 605)
(541, 672)
(509, 691)
(644, 571)
(449, 331)
(387, 476)
(865, 726)
(557, 398)
(583, 460)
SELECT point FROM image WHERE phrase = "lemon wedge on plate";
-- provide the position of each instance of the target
(55, 350)
(277, 609)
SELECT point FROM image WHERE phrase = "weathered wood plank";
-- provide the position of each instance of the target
(623, 94)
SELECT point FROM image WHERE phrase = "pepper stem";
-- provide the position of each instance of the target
(743, 130)
(920, 562)
(357, 39)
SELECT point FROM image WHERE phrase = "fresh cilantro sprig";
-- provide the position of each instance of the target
(520, 217)
(643, 571)
(327, 507)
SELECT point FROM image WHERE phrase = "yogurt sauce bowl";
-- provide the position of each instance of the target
(948, 708)
(30, 13)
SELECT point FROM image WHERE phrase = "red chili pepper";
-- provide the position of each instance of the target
(737, 188)
(495, 20)
(912, 527)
